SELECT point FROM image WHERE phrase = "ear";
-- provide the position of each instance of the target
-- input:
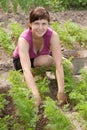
(29, 25)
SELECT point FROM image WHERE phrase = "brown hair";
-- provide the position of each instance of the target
(39, 13)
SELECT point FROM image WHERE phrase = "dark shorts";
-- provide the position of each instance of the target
(17, 63)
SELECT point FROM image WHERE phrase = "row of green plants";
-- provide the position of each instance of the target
(3, 118)
(57, 119)
(8, 39)
(5, 41)
(26, 113)
(24, 102)
(53, 5)
(76, 90)
(75, 4)
(69, 32)
(79, 95)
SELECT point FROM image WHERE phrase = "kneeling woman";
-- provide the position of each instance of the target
(33, 50)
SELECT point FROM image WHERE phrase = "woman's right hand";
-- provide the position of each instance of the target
(62, 98)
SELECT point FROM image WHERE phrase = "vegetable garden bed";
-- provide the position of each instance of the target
(17, 110)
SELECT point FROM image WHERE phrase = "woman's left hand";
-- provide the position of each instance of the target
(61, 96)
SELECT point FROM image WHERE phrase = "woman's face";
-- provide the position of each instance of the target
(39, 27)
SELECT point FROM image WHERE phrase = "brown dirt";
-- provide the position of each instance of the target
(6, 61)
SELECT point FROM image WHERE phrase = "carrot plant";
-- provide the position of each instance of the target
(76, 89)
(23, 100)
(4, 123)
(77, 32)
(5, 41)
(42, 84)
(66, 39)
(79, 94)
(70, 81)
(41, 71)
(3, 102)
(70, 33)
(56, 119)
(3, 118)
(41, 79)
(82, 108)
(16, 30)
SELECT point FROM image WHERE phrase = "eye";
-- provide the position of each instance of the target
(44, 23)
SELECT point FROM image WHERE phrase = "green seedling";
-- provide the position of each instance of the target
(16, 30)
(5, 41)
(3, 102)
(23, 100)
(56, 119)
(70, 33)
(4, 123)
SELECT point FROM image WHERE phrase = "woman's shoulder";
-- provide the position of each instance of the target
(51, 33)
(26, 34)
(48, 32)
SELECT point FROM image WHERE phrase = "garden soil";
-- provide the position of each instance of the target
(6, 64)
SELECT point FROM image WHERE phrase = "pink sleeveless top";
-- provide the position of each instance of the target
(27, 35)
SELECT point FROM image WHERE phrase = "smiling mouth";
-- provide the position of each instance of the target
(40, 32)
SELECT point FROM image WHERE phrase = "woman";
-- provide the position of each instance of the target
(33, 50)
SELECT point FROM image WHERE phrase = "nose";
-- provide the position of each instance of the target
(40, 26)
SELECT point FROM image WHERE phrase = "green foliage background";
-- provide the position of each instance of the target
(54, 5)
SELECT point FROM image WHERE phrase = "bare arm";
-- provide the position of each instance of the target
(26, 66)
(57, 56)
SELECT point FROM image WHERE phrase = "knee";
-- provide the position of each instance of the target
(46, 60)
